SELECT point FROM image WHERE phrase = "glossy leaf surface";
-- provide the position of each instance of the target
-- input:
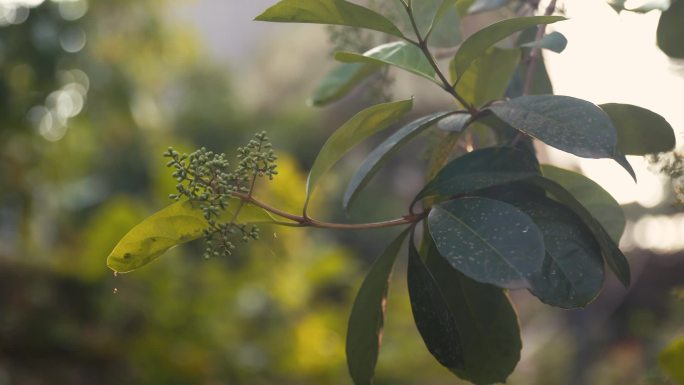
(671, 360)
(569, 124)
(593, 197)
(487, 240)
(173, 225)
(572, 273)
(431, 313)
(399, 54)
(485, 319)
(488, 78)
(640, 131)
(354, 131)
(364, 332)
(614, 258)
(336, 12)
(474, 46)
(481, 169)
(384, 151)
(340, 81)
(670, 31)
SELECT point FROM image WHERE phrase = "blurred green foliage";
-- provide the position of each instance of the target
(91, 93)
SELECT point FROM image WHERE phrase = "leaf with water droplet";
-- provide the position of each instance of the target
(484, 239)
(566, 123)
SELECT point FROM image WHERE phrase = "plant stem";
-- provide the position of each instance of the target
(301, 221)
(446, 85)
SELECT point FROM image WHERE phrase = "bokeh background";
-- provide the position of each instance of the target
(92, 92)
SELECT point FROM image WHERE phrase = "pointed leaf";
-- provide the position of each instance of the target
(340, 81)
(670, 31)
(364, 333)
(485, 319)
(554, 41)
(431, 313)
(671, 360)
(489, 76)
(640, 131)
(173, 225)
(487, 240)
(572, 272)
(384, 151)
(399, 54)
(616, 261)
(336, 12)
(481, 169)
(569, 124)
(474, 46)
(354, 131)
(593, 197)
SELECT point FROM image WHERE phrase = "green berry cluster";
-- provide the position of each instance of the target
(205, 177)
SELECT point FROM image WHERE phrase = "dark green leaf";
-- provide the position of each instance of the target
(554, 41)
(367, 317)
(454, 123)
(337, 12)
(671, 360)
(487, 240)
(384, 151)
(611, 253)
(354, 131)
(489, 76)
(572, 272)
(593, 197)
(486, 5)
(399, 54)
(481, 169)
(171, 226)
(569, 124)
(431, 313)
(480, 41)
(640, 131)
(485, 319)
(342, 79)
(445, 27)
(670, 31)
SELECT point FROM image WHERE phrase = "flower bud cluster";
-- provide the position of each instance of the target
(204, 177)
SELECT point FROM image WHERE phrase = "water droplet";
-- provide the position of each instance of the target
(116, 274)
(275, 235)
(115, 291)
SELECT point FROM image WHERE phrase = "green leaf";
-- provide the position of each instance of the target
(566, 123)
(616, 261)
(431, 313)
(478, 43)
(340, 81)
(364, 332)
(336, 12)
(554, 41)
(485, 319)
(671, 360)
(489, 76)
(670, 31)
(600, 204)
(486, 5)
(173, 225)
(454, 123)
(487, 240)
(383, 152)
(640, 131)
(399, 54)
(444, 28)
(354, 131)
(481, 169)
(572, 272)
